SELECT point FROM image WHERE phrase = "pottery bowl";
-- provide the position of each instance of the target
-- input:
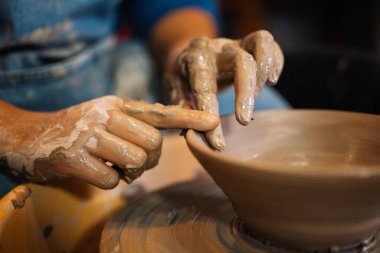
(302, 179)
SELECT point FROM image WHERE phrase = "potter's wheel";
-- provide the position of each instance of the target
(190, 217)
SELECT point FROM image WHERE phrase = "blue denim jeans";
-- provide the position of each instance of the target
(78, 78)
(102, 68)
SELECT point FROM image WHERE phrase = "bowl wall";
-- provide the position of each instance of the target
(301, 178)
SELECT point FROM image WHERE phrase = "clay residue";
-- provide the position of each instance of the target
(166, 117)
(198, 64)
(50, 33)
(21, 194)
(196, 216)
(53, 138)
(207, 63)
(190, 217)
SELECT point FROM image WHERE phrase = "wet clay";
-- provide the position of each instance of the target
(98, 141)
(191, 217)
(306, 179)
(21, 195)
(166, 117)
(205, 63)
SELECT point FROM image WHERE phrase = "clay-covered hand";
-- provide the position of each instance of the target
(85, 140)
(248, 63)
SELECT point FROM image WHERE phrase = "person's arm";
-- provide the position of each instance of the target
(173, 32)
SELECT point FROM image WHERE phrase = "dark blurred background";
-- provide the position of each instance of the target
(332, 48)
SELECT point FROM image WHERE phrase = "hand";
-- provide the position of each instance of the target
(205, 63)
(85, 140)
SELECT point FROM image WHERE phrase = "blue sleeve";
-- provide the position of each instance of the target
(144, 14)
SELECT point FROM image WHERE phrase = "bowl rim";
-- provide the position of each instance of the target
(191, 137)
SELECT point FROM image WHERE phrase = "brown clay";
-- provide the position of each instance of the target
(205, 63)
(83, 141)
(300, 178)
(166, 117)
(21, 195)
(190, 217)
(194, 216)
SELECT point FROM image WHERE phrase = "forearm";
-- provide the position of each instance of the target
(174, 31)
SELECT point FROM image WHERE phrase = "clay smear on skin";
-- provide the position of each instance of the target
(47, 142)
(249, 63)
(21, 195)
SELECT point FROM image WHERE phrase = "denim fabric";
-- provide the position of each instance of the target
(53, 53)
(30, 29)
(55, 22)
(84, 76)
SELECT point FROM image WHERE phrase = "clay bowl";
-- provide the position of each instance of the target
(302, 179)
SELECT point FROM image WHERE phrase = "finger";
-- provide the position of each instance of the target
(161, 116)
(201, 71)
(278, 64)
(153, 158)
(130, 176)
(261, 45)
(245, 82)
(134, 131)
(109, 147)
(176, 86)
(216, 138)
(80, 165)
(138, 133)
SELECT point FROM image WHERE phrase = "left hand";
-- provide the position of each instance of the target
(248, 63)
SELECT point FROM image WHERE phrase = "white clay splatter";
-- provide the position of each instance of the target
(92, 143)
(48, 141)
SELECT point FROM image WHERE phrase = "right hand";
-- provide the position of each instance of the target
(83, 140)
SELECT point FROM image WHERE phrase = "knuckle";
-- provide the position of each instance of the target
(247, 57)
(62, 154)
(264, 33)
(265, 36)
(97, 129)
(199, 42)
(109, 98)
